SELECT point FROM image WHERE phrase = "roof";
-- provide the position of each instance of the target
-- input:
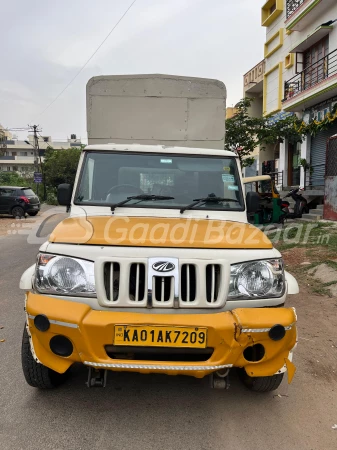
(15, 187)
(159, 149)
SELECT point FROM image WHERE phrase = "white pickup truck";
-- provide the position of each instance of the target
(156, 269)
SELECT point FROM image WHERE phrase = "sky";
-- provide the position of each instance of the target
(44, 44)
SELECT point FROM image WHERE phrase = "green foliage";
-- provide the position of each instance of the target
(245, 133)
(60, 166)
(304, 163)
(316, 126)
(242, 132)
(51, 197)
(11, 179)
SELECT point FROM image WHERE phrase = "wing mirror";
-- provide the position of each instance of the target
(252, 202)
(64, 194)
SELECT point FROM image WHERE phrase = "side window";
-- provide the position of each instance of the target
(6, 192)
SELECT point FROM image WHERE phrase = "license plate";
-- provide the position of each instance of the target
(160, 336)
(35, 207)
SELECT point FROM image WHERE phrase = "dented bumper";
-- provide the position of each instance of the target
(229, 335)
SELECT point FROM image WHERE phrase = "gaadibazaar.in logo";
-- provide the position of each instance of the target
(163, 266)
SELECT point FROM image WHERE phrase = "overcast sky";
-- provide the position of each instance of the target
(44, 43)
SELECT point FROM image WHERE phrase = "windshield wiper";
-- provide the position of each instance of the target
(209, 199)
(141, 198)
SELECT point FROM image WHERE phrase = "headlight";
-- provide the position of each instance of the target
(257, 279)
(63, 275)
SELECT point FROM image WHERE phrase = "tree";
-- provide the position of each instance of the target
(245, 133)
(60, 166)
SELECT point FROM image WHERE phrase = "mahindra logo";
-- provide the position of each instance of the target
(163, 266)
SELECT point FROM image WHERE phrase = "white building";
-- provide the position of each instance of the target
(253, 88)
(301, 78)
(18, 156)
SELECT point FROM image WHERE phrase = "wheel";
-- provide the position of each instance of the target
(260, 384)
(17, 211)
(38, 375)
(34, 213)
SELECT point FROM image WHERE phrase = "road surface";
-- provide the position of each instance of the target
(160, 412)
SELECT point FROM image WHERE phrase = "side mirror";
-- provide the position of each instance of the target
(252, 202)
(64, 193)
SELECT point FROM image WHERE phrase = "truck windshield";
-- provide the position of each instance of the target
(108, 178)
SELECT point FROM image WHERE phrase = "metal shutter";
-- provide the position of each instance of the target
(318, 152)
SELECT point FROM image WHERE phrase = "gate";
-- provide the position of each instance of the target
(330, 196)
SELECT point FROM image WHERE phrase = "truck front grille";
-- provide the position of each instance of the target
(196, 284)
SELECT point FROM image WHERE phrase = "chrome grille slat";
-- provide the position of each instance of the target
(213, 283)
(112, 281)
(213, 277)
(188, 281)
(137, 283)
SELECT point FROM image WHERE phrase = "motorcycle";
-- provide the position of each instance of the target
(300, 207)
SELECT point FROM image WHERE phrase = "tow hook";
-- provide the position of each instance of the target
(220, 379)
(97, 378)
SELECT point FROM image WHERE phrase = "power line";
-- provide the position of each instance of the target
(87, 62)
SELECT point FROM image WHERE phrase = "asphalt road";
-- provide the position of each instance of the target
(156, 411)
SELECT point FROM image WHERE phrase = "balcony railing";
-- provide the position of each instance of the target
(324, 68)
(292, 6)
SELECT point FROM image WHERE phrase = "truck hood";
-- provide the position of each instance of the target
(159, 232)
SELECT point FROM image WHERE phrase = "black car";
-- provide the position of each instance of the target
(18, 201)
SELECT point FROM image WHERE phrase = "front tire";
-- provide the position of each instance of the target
(37, 375)
(261, 384)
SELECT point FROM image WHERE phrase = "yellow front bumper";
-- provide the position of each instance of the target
(229, 334)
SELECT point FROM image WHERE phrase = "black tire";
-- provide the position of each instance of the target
(34, 213)
(17, 211)
(38, 375)
(261, 384)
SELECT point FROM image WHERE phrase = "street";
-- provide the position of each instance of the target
(161, 412)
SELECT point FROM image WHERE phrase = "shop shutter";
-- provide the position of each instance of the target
(318, 152)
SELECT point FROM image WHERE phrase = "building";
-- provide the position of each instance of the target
(18, 156)
(230, 112)
(301, 78)
(253, 88)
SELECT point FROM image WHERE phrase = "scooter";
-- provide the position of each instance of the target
(300, 207)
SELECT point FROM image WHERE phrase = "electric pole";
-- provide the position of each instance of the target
(36, 148)
(35, 130)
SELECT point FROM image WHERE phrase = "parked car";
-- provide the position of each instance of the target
(18, 201)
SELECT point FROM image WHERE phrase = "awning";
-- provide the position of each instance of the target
(311, 39)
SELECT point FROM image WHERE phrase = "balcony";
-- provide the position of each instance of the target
(292, 6)
(253, 80)
(18, 159)
(315, 83)
(301, 13)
